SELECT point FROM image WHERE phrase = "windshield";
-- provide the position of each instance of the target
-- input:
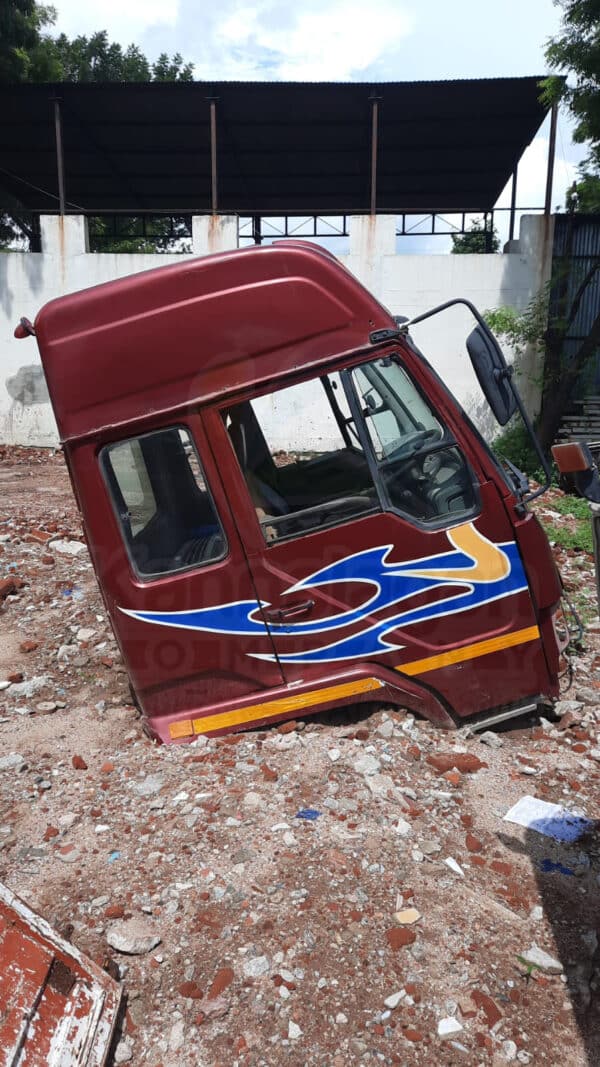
(421, 470)
(396, 415)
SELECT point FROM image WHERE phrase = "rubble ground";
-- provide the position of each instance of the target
(399, 921)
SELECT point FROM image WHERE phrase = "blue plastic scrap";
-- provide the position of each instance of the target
(550, 866)
(310, 814)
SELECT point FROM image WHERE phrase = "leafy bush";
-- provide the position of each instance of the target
(514, 444)
(580, 538)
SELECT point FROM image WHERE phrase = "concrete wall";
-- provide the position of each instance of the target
(406, 284)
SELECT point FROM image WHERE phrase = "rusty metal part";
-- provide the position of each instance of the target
(56, 1006)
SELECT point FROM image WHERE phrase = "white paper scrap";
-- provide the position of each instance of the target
(552, 820)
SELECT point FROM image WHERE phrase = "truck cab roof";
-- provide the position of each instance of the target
(192, 331)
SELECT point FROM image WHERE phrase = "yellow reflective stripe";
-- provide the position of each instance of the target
(185, 728)
(298, 701)
(273, 708)
(459, 655)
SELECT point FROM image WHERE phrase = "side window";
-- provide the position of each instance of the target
(132, 476)
(165, 511)
(301, 458)
(423, 472)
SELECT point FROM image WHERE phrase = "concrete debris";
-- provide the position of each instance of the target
(454, 866)
(256, 967)
(124, 1051)
(367, 764)
(12, 762)
(134, 936)
(26, 690)
(262, 932)
(492, 740)
(448, 1028)
(67, 548)
(407, 917)
(152, 784)
(393, 1001)
(543, 960)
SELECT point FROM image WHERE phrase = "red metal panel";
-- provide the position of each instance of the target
(57, 1008)
(25, 968)
(198, 329)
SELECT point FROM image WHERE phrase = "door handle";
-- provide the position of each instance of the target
(281, 614)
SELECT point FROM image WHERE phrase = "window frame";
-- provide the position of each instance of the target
(384, 504)
(103, 457)
(287, 383)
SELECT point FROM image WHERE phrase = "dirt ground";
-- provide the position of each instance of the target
(280, 939)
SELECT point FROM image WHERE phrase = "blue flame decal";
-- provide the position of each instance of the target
(475, 572)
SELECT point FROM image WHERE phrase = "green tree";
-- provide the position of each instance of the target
(24, 52)
(29, 53)
(96, 59)
(576, 52)
(129, 233)
(480, 238)
(584, 194)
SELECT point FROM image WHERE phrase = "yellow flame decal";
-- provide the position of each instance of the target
(490, 563)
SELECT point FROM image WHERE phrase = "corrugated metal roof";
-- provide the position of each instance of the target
(283, 147)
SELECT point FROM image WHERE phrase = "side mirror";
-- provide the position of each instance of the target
(575, 459)
(493, 374)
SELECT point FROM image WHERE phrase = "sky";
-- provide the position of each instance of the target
(349, 40)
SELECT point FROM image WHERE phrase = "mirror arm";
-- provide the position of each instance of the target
(538, 448)
(404, 328)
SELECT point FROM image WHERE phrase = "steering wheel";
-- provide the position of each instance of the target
(410, 445)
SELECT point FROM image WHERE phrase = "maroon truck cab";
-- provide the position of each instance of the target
(285, 508)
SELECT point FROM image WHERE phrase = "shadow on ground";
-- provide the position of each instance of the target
(567, 881)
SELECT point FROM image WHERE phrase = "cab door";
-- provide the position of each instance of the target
(373, 544)
(169, 559)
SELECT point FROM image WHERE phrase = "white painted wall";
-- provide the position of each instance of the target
(406, 284)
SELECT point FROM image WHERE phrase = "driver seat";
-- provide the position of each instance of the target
(240, 432)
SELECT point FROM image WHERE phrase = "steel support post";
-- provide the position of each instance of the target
(374, 144)
(513, 203)
(551, 154)
(60, 162)
(214, 192)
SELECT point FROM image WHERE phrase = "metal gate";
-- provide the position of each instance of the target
(575, 250)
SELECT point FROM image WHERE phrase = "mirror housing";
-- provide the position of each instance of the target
(574, 459)
(572, 456)
(492, 372)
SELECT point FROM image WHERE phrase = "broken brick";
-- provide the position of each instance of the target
(399, 937)
(473, 843)
(488, 1006)
(222, 980)
(464, 762)
(28, 646)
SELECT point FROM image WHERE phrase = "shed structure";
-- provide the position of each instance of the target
(265, 148)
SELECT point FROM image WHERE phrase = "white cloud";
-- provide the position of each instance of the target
(310, 42)
(124, 21)
(531, 179)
